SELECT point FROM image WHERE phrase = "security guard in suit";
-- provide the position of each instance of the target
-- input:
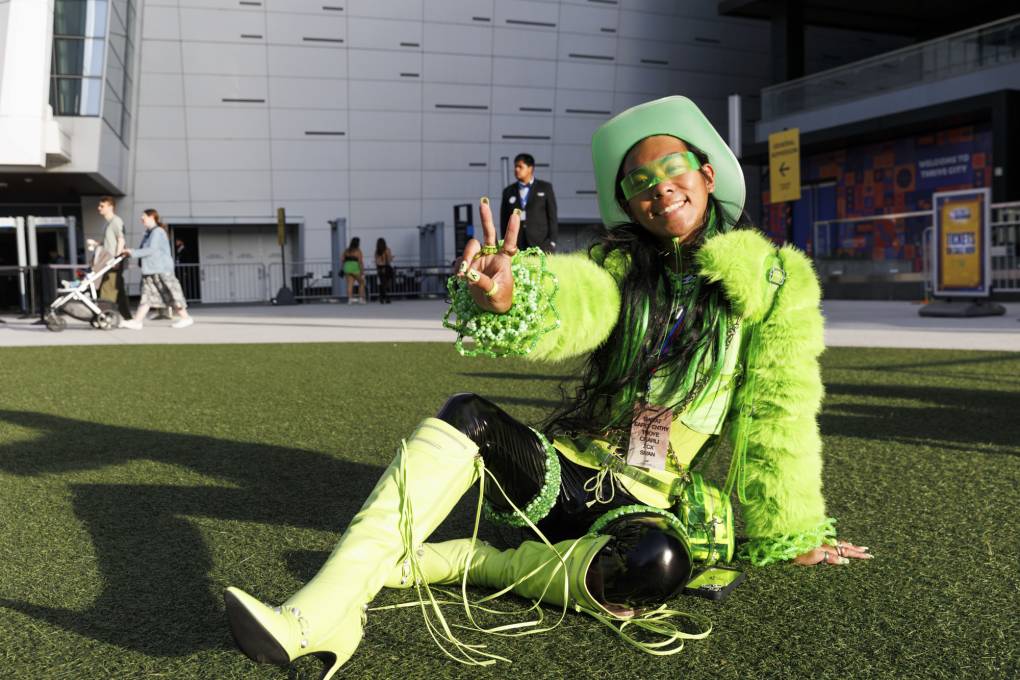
(537, 202)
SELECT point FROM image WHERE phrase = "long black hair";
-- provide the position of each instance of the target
(618, 371)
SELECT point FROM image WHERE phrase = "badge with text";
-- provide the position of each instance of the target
(649, 437)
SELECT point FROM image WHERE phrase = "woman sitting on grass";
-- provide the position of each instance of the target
(692, 323)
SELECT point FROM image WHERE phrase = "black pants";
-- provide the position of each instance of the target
(645, 563)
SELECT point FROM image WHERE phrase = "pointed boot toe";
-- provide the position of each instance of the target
(279, 635)
(264, 634)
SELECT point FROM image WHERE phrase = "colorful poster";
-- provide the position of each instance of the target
(961, 239)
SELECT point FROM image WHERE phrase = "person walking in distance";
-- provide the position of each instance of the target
(537, 203)
(112, 288)
(354, 270)
(160, 287)
(384, 269)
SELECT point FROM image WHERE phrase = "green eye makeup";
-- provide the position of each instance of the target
(647, 176)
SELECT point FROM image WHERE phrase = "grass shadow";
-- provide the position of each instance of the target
(951, 415)
(157, 596)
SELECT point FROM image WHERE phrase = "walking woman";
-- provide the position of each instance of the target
(160, 287)
(692, 324)
(384, 270)
(354, 270)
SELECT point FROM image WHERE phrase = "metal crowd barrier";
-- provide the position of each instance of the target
(1006, 247)
(33, 288)
(831, 260)
(314, 280)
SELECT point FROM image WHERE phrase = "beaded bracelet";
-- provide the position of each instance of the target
(517, 331)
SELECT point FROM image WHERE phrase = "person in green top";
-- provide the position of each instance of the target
(692, 324)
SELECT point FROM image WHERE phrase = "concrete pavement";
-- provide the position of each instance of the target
(849, 324)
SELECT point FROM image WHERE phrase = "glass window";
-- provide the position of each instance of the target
(75, 96)
(113, 110)
(78, 56)
(80, 17)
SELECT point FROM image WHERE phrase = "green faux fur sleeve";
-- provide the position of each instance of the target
(784, 511)
(588, 303)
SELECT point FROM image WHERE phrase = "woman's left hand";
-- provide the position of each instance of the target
(125, 252)
(833, 554)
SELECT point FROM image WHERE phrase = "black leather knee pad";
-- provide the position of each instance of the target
(512, 452)
(470, 414)
(646, 563)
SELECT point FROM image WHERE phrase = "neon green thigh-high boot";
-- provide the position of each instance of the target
(443, 563)
(417, 491)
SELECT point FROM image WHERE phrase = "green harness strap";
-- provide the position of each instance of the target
(776, 276)
(608, 460)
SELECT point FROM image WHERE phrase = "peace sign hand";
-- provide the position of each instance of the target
(488, 275)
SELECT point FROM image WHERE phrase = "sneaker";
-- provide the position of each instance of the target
(131, 324)
(183, 323)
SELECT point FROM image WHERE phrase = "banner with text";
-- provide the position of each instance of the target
(962, 234)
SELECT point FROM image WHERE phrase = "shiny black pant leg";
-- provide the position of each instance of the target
(512, 452)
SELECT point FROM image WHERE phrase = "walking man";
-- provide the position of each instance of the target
(112, 289)
(537, 203)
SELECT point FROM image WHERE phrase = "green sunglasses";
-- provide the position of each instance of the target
(659, 170)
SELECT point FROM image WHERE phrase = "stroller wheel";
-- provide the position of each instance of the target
(107, 321)
(55, 322)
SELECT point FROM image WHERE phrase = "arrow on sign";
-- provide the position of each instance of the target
(783, 168)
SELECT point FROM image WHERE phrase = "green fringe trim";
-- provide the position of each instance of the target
(763, 551)
(540, 505)
(516, 332)
(616, 513)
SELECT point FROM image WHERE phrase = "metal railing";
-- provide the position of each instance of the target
(226, 283)
(314, 280)
(1006, 246)
(992, 44)
(843, 249)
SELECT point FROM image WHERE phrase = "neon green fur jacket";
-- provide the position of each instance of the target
(783, 509)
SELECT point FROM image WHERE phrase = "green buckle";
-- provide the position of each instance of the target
(776, 276)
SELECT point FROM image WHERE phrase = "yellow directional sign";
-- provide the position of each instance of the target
(784, 166)
(281, 226)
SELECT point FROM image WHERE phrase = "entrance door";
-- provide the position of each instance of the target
(186, 256)
(238, 261)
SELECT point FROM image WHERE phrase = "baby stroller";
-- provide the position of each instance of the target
(80, 299)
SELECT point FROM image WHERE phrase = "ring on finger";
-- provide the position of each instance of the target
(825, 557)
(839, 549)
(478, 255)
(492, 291)
(510, 251)
(489, 249)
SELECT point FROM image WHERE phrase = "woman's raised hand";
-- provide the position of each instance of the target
(487, 267)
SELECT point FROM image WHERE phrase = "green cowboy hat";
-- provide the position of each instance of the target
(675, 116)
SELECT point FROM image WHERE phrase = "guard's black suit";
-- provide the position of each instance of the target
(540, 226)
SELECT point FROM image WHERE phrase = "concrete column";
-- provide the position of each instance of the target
(787, 40)
(26, 39)
(1005, 147)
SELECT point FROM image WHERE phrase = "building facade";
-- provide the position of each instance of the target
(383, 114)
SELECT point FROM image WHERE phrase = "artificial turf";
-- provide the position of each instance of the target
(137, 482)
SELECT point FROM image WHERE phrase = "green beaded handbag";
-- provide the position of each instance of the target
(708, 516)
